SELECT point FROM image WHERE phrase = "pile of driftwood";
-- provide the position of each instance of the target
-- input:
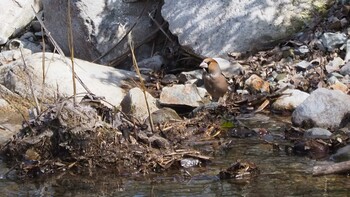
(86, 136)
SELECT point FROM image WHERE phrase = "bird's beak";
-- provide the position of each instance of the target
(203, 65)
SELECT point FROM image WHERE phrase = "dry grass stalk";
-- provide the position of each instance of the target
(143, 87)
(43, 63)
(71, 49)
(37, 105)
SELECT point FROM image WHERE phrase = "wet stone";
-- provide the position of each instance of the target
(317, 133)
(342, 154)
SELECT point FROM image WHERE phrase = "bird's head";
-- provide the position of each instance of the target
(210, 65)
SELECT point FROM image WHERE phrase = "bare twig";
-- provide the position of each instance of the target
(43, 64)
(143, 87)
(30, 82)
(160, 27)
(71, 48)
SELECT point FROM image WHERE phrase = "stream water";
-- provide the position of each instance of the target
(280, 174)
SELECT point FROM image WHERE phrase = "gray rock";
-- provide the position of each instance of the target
(187, 76)
(34, 47)
(229, 69)
(101, 80)
(334, 65)
(169, 79)
(213, 28)
(323, 108)
(345, 70)
(154, 63)
(99, 25)
(164, 115)
(188, 95)
(302, 50)
(15, 16)
(342, 154)
(332, 80)
(36, 26)
(303, 65)
(332, 40)
(347, 56)
(12, 55)
(134, 104)
(317, 133)
(28, 36)
(289, 102)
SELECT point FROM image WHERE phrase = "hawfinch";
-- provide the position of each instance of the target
(214, 81)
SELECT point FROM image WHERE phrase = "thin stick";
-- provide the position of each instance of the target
(71, 48)
(143, 87)
(43, 64)
(30, 83)
(160, 27)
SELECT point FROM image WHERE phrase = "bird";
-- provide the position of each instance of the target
(214, 81)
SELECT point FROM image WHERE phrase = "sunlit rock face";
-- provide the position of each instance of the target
(211, 27)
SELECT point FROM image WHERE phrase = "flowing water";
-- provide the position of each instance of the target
(280, 174)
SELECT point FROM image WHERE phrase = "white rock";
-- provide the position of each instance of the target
(213, 28)
(154, 63)
(12, 55)
(134, 104)
(334, 65)
(289, 102)
(323, 108)
(100, 80)
(229, 69)
(347, 56)
(15, 15)
(188, 95)
(3, 103)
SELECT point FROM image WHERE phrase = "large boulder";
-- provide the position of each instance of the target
(98, 25)
(100, 80)
(15, 15)
(323, 108)
(211, 27)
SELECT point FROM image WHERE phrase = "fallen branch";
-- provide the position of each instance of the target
(331, 169)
